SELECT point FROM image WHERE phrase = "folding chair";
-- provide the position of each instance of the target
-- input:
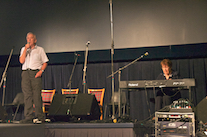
(17, 102)
(124, 104)
(99, 94)
(70, 91)
(47, 97)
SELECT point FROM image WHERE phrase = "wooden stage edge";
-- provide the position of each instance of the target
(65, 129)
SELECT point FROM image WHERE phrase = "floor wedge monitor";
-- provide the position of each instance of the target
(82, 106)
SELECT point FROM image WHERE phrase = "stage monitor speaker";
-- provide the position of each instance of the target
(201, 110)
(3, 113)
(84, 106)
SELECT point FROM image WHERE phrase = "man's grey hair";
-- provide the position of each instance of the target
(32, 34)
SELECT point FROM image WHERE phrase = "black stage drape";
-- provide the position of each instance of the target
(57, 77)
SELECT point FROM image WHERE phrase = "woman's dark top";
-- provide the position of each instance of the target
(168, 90)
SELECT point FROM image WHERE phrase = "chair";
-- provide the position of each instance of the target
(70, 91)
(17, 102)
(47, 97)
(124, 104)
(99, 94)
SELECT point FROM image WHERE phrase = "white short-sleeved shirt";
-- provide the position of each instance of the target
(34, 58)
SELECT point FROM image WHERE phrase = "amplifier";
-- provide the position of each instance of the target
(174, 124)
(181, 105)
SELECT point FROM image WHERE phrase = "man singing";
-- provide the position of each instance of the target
(34, 61)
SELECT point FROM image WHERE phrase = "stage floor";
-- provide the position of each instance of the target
(22, 130)
(65, 129)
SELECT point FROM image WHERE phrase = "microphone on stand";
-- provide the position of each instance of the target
(77, 54)
(110, 1)
(146, 53)
(88, 43)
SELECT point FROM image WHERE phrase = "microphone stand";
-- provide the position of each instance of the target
(69, 83)
(119, 77)
(84, 69)
(4, 77)
(112, 57)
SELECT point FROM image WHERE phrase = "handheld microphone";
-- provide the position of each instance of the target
(29, 45)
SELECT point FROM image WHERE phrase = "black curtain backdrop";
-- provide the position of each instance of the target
(57, 77)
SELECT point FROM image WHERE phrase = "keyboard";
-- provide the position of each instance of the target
(188, 82)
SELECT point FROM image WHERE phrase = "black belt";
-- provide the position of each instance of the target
(31, 69)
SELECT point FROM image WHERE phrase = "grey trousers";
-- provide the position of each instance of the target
(31, 88)
(162, 101)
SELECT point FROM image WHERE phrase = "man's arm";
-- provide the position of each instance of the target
(39, 73)
(24, 54)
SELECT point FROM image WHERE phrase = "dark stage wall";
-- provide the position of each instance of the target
(66, 25)
(57, 76)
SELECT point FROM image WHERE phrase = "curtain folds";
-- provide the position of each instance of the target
(57, 77)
